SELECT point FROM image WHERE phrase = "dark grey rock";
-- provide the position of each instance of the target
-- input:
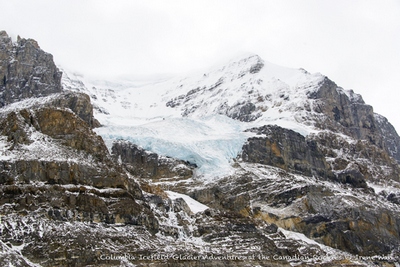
(256, 67)
(147, 164)
(285, 149)
(347, 113)
(26, 71)
(243, 112)
(353, 177)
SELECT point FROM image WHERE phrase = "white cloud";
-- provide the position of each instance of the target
(353, 42)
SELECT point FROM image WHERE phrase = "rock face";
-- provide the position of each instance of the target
(79, 103)
(390, 137)
(347, 113)
(285, 149)
(25, 70)
(368, 160)
(146, 164)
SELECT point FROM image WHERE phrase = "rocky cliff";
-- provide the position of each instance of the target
(25, 70)
(287, 150)
(145, 164)
(346, 112)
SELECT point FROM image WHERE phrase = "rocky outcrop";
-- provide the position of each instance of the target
(68, 128)
(243, 112)
(285, 149)
(59, 124)
(25, 70)
(257, 66)
(357, 158)
(346, 109)
(79, 103)
(77, 203)
(146, 164)
(390, 137)
(347, 113)
(86, 163)
(359, 228)
(231, 194)
(62, 173)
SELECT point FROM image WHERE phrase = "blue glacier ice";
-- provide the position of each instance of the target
(211, 143)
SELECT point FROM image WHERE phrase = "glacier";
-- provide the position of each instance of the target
(196, 127)
(211, 143)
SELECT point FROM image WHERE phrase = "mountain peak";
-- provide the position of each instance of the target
(5, 40)
(252, 62)
(25, 71)
(245, 58)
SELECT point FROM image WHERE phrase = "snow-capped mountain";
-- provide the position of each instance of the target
(246, 89)
(202, 118)
(245, 164)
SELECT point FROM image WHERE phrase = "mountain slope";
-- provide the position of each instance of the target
(326, 140)
(247, 164)
(250, 91)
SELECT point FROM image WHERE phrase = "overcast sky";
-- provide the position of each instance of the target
(354, 42)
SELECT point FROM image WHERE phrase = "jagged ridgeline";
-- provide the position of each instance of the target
(248, 164)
